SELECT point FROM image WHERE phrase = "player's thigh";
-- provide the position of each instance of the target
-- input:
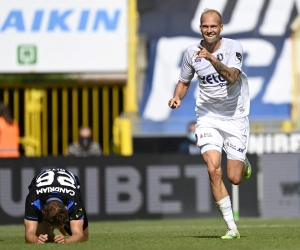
(236, 136)
(43, 228)
(210, 142)
(208, 135)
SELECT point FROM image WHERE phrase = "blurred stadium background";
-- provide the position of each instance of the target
(113, 65)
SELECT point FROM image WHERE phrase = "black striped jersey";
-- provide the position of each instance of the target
(55, 183)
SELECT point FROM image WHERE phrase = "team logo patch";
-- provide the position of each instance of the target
(197, 60)
(238, 56)
(220, 57)
(79, 213)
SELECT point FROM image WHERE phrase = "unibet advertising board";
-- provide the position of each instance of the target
(63, 36)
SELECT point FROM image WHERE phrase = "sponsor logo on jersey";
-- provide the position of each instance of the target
(55, 189)
(229, 144)
(197, 60)
(213, 79)
(240, 150)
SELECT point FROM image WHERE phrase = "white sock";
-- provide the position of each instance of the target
(224, 207)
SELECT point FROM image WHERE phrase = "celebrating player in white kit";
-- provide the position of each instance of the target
(222, 108)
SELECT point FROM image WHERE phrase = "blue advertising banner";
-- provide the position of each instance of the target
(263, 28)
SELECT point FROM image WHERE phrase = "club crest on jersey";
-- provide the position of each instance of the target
(238, 56)
(220, 57)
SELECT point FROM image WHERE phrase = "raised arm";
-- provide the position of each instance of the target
(229, 74)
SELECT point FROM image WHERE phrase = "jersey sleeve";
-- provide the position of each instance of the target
(235, 59)
(187, 70)
(30, 211)
(77, 211)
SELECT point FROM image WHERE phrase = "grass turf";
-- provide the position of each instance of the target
(172, 234)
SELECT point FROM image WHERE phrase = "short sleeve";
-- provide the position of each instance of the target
(77, 211)
(187, 70)
(30, 210)
(235, 59)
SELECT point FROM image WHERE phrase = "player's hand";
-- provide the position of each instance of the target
(174, 103)
(203, 53)
(59, 239)
(42, 238)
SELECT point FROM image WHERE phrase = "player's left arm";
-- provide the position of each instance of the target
(76, 227)
(230, 74)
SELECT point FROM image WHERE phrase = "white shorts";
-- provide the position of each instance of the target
(230, 135)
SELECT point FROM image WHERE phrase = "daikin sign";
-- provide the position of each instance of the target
(63, 36)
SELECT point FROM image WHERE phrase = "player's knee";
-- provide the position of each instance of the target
(214, 172)
(234, 179)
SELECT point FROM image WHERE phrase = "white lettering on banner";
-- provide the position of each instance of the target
(115, 187)
(272, 25)
(92, 190)
(8, 205)
(244, 10)
(156, 189)
(279, 89)
(254, 48)
(168, 56)
(203, 4)
(122, 180)
(274, 143)
(202, 187)
(281, 143)
(250, 11)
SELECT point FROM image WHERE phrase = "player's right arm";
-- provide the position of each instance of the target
(179, 93)
(186, 75)
(30, 233)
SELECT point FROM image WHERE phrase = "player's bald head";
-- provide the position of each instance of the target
(211, 11)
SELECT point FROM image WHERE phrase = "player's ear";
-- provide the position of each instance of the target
(222, 27)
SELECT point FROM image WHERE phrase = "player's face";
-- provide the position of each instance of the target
(211, 28)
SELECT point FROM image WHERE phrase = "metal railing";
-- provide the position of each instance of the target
(49, 117)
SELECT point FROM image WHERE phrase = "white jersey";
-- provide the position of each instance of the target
(218, 98)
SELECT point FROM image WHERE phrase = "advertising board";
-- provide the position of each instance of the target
(63, 36)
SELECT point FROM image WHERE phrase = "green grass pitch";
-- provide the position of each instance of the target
(172, 234)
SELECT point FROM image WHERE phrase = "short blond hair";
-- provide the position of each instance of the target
(207, 10)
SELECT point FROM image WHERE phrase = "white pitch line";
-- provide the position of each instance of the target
(203, 226)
